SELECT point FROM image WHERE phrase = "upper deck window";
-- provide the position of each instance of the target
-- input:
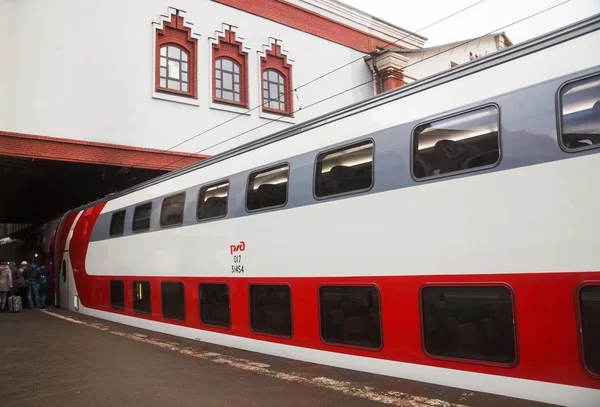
(141, 217)
(172, 210)
(212, 202)
(117, 223)
(344, 170)
(268, 188)
(458, 143)
(580, 115)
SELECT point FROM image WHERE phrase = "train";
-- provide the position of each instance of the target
(442, 232)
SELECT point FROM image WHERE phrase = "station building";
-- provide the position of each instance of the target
(98, 96)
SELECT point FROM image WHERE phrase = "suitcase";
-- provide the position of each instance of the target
(14, 304)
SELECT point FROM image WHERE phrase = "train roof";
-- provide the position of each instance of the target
(541, 42)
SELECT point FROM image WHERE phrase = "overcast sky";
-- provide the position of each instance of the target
(480, 19)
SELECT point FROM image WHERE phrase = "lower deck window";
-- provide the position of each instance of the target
(589, 308)
(214, 305)
(350, 315)
(173, 300)
(117, 294)
(141, 297)
(271, 309)
(469, 323)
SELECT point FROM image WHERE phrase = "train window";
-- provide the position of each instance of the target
(141, 297)
(462, 142)
(268, 188)
(589, 310)
(117, 294)
(350, 315)
(171, 213)
(173, 300)
(469, 322)
(141, 217)
(214, 305)
(117, 223)
(271, 309)
(344, 170)
(580, 115)
(212, 202)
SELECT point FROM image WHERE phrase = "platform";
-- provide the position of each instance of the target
(58, 358)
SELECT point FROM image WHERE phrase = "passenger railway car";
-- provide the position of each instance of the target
(444, 232)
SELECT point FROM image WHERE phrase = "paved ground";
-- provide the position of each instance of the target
(57, 358)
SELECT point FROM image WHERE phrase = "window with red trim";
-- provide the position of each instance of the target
(176, 55)
(230, 71)
(276, 78)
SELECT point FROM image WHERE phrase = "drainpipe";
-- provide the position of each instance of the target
(379, 78)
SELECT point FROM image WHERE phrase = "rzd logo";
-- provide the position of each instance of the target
(237, 247)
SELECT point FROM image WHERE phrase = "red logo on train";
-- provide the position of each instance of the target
(237, 247)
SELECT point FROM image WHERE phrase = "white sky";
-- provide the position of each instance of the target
(478, 20)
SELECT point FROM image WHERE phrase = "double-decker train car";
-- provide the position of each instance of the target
(443, 232)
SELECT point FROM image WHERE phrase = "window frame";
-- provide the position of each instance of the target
(335, 149)
(162, 301)
(579, 323)
(381, 319)
(250, 284)
(286, 92)
(559, 118)
(110, 297)
(241, 83)
(266, 169)
(162, 207)
(449, 116)
(175, 30)
(209, 185)
(181, 48)
(200, 304)
(275, 58)
(133, 217)
(110, 235)
(471, 361)
(136, 311)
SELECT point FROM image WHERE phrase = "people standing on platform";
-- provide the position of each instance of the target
(44, 285)
(5, 283)
(20, 283)
(32, 277)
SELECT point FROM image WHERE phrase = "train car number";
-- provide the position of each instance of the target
(237, 266)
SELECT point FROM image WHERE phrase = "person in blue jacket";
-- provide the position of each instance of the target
(32, 275)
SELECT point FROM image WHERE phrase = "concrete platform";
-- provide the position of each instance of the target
(57, 358)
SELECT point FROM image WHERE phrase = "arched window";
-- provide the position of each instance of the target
(176, 53)
(276, 78)
(227, 80)
(229, 70)
(174, 68)
(274, 91)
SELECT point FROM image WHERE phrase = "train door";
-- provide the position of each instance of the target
(63, 285)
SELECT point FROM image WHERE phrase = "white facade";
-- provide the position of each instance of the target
(84, 70)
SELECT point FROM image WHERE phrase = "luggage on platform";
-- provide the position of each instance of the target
(14, 304)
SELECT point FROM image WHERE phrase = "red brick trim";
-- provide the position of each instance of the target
(61, 149)
(229, 47)
(175, 33)
(275, 60)
(392, 78)
(310, 22)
